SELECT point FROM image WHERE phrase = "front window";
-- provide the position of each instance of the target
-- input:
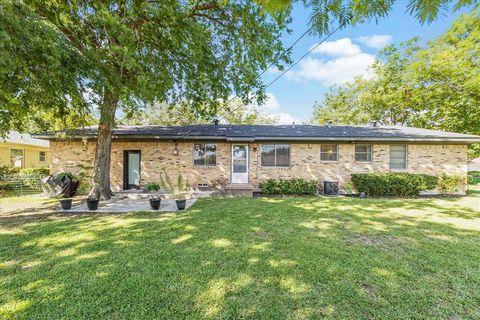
(205, 154)
(275, 155)
(329, 152)
(42, 156)
(16, 158)
(363, 152)
(398, 157)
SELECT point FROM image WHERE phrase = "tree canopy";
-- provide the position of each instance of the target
(181, 114)
(125, 54)
(435, 87)
(327, 14)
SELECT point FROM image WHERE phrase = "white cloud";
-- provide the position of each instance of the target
(273, 70)
(286, 118)
(377, 41)
(272, 107)
(271, 102)
(338, 48)
(334, 71)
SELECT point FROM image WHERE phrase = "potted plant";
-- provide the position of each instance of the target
(66, 203)
(181, 201)
(152, 187)
(92, 203)
(180, 191)
(348, 187)
(155, 202)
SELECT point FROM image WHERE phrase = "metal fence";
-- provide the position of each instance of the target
(20, 184)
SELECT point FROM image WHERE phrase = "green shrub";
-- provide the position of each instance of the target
(68, 174)
(348, 186)
(8, 170)
(35, 171)
(474, 177)
(393, 184)
(152, 186)
(450, 183)
(289, 187)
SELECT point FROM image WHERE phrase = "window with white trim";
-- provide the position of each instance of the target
(204, 154)
(363, 152)
(275, 155)
(329, 152)
(398, 157)
(16, 158)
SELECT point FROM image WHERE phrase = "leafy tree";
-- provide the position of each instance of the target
(328, 13)
(385, 98)
(131, 53)
(437, 87)
(181, 114)
(38, 71)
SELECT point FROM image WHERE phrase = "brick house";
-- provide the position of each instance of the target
(239, 157)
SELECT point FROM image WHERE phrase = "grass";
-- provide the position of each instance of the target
(282, 258)
(11, 203)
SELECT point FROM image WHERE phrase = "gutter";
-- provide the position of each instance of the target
(464, 140)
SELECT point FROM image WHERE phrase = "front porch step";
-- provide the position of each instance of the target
(239, 190)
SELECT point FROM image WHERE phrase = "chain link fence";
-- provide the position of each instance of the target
(19, 184)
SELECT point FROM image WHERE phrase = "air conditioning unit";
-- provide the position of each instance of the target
(330, 188)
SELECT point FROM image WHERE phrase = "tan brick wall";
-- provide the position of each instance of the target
(305, 161)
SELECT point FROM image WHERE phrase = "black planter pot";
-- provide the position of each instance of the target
(66, 204)
(155, 203)
(92, 204)
(181, 204)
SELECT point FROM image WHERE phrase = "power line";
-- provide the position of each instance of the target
(271, 64)
(306, 54)
(296, 62)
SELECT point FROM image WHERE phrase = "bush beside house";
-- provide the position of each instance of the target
(450, 183)
(289, 187)
(393, 184)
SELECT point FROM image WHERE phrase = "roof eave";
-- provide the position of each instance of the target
(462, 140)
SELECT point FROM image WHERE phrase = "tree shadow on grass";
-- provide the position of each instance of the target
(244, 258)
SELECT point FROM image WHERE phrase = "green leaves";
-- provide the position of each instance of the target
(435, 87)
(196, 53)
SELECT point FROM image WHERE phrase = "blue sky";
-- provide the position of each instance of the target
(346, 54)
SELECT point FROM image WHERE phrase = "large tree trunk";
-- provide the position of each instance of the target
(101, 179)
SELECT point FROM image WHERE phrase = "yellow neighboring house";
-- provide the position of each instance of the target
(20, 150)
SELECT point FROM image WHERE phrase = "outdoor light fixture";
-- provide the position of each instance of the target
(175, 151)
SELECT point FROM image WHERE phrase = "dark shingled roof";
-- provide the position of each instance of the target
(274, 132)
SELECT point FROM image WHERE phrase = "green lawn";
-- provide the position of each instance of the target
(256, 258)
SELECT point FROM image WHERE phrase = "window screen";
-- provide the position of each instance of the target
(329, 152)
(398, 157)
(204, 154)
(363, 152)
(275, 155)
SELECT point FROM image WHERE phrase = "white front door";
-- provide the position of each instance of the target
(240, 163)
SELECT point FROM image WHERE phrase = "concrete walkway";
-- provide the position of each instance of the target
(125, 204)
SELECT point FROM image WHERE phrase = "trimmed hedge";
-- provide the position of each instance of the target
(25, 171)
(393, 184)
(289, 187)
(35, 171)
(8, 170)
